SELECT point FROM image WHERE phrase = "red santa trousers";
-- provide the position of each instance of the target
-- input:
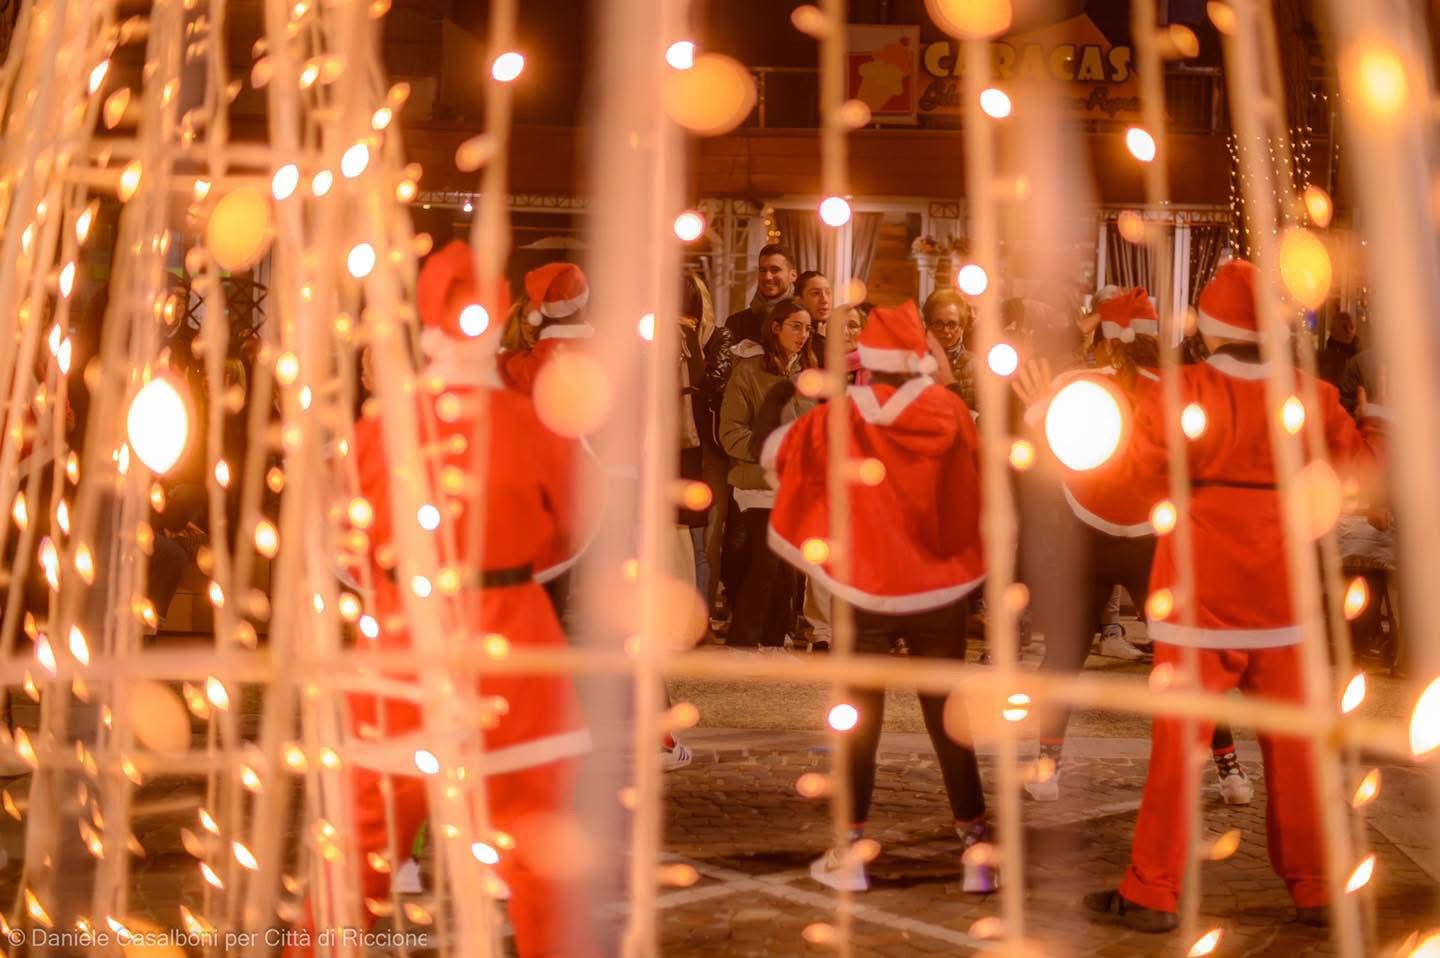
(542, 907)
(1292, 815)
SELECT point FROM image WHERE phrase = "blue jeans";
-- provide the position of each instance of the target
(702, 561)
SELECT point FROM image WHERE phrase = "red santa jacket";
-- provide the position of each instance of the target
(528, 511)
(915, 534)
(519, 369)
(1242, 583)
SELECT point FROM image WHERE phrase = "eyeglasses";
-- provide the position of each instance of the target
(797, 327)
(949, 325)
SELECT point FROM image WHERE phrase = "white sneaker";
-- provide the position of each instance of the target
(1237, 789)
(977, 862)
(406, 881)
(1117, 647)
(677, 757)
(1044, 789)
(840, 869)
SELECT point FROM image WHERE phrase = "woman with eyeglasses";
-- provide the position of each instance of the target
(763, 613)
(948, 318)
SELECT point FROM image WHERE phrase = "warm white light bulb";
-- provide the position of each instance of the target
(689, 226)
(361, 260)
(995, 102)
(972, 280)
(835, 211)
(284, 182)
(1140, 144)
(474, 320)
(158, 425)
(681, 55)
(354, 161)
(1083, 425)
(507, 66)
(1003, 359)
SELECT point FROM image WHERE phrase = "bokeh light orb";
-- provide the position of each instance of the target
(835, 211)
(1304, 267)
(1003, 359)
(970, 18)
(713, 97)
(1322, 496)
(995, 102)
(573, 394)
(1140, 144)
(689, 226)
(1084, 425)
(508, 66)
(474, 320)
(680, 54)
(972, 279)
(1379, 77)
(1318, 206)
(240, 229)
(159, 717)
(158, 425)
(843, 717)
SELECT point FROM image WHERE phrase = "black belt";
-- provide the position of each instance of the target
(1233, 484)
(489, 578)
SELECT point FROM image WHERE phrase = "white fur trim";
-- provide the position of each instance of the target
(534, 317)
(877, 415)
(459, 361)
(748, 499)
(896, 360)
(1217, 327)
(884, 604)
(1238, 368)
(1202, 638)
(568, 331)
(560, 308)
(771, 449)
(1115, 331)
(1137, 531)
(747, 348)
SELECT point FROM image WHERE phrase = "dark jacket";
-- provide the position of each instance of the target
(718, 364)
(743, 325)
(1330, 361)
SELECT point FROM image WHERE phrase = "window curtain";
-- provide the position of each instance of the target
(1206, 243)
(812, 243)
(1129, 264)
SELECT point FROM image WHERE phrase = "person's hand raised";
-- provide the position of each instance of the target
(1032, 381)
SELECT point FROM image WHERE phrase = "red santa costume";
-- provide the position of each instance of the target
(1245, 630)
(916, 551)
(559, 293)
(531, 743)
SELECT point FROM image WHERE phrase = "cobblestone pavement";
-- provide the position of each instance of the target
(735, 816)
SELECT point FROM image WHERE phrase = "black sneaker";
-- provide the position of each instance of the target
(1149, 920)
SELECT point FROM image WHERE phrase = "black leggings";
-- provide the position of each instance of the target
(1107, 561)
(938, 633)
(763, 610)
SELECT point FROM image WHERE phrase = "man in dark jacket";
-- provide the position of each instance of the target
(1339, 349)
(776, 282)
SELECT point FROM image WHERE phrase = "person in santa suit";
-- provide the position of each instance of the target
(531, 742)
(558, 293)
(916, 551)
(1245, 633)
(1116, 539)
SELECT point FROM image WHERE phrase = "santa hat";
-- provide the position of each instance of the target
(445, 293)
(893, 341)
(1127, 313)
(1227, 306)
(557, 290)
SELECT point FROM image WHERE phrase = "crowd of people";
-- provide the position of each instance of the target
(749, 432)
